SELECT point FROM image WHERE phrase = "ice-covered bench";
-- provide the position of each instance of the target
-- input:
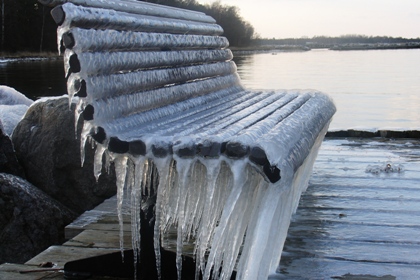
(157, 85)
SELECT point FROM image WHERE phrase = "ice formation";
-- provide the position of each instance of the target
(234, 217)
(387, 167)
(232, 163)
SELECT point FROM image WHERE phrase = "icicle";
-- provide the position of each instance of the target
(97, 161)
(77, 113)
(83, 138)
(121, 171)
(183, 167)
(60, 31)
(214, 258)
(163, 166)
(136, 197)
(205, 229)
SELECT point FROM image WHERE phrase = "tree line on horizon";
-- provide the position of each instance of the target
(27, 25)
(331, 41)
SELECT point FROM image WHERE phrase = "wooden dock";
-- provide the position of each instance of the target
(352, 222)
(94, 233)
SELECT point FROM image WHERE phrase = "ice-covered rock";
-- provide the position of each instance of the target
(46, 146)
(10, 115)
(13, 105)
(10, 96)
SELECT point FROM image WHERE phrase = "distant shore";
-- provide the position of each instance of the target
(345, 47)
(341, 47)
(16, 55)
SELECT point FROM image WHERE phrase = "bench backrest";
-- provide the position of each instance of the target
(126, 57)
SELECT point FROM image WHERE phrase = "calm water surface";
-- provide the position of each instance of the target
(34, 78)
(372, 89)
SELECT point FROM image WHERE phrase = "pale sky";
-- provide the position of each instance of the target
(298, 18)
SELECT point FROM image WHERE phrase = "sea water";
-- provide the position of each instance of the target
(371, 88)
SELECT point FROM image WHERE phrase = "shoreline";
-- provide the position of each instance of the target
(342, 47)
(28, 56)
(380, 133)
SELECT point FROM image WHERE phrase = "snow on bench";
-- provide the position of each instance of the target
(156, 86)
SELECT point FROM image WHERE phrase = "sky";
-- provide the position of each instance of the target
(300, 18)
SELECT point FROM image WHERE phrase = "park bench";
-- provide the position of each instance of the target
(159, 82)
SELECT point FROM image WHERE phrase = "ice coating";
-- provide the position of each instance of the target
(130, 40)
(296, 133)
(115, 85)
(134, 124)
(196, 118)
(137, 7)
(157, 91)
(99, 18)
(114, 108)
(94, 64)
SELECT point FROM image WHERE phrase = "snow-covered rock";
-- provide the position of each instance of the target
(13, 106)
(10, 96)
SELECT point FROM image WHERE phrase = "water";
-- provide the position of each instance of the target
(358, 217)
(34, 78)
(372, 89)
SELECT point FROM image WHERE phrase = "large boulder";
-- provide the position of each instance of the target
(46, 146)
(8, 161)
(30, 221)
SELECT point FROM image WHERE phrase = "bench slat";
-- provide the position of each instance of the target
(279, 111)
(175, 112)
(292, 138)
(147, 100)
(70, 15)
(137, 7)
(93, 63)
(112, 40)
(120, 86)
(233, 119)
(229, 111)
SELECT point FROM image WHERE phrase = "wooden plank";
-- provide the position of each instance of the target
(27, 272)
(59, 255)
(100, 239)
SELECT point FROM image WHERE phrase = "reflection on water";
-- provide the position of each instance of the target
(372, 89)
(34, 78)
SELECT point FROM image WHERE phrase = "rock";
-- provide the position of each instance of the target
(30, 221)
(45, 145)
(10, 96)
(10, 115)
(8, 161)
(13, 105)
